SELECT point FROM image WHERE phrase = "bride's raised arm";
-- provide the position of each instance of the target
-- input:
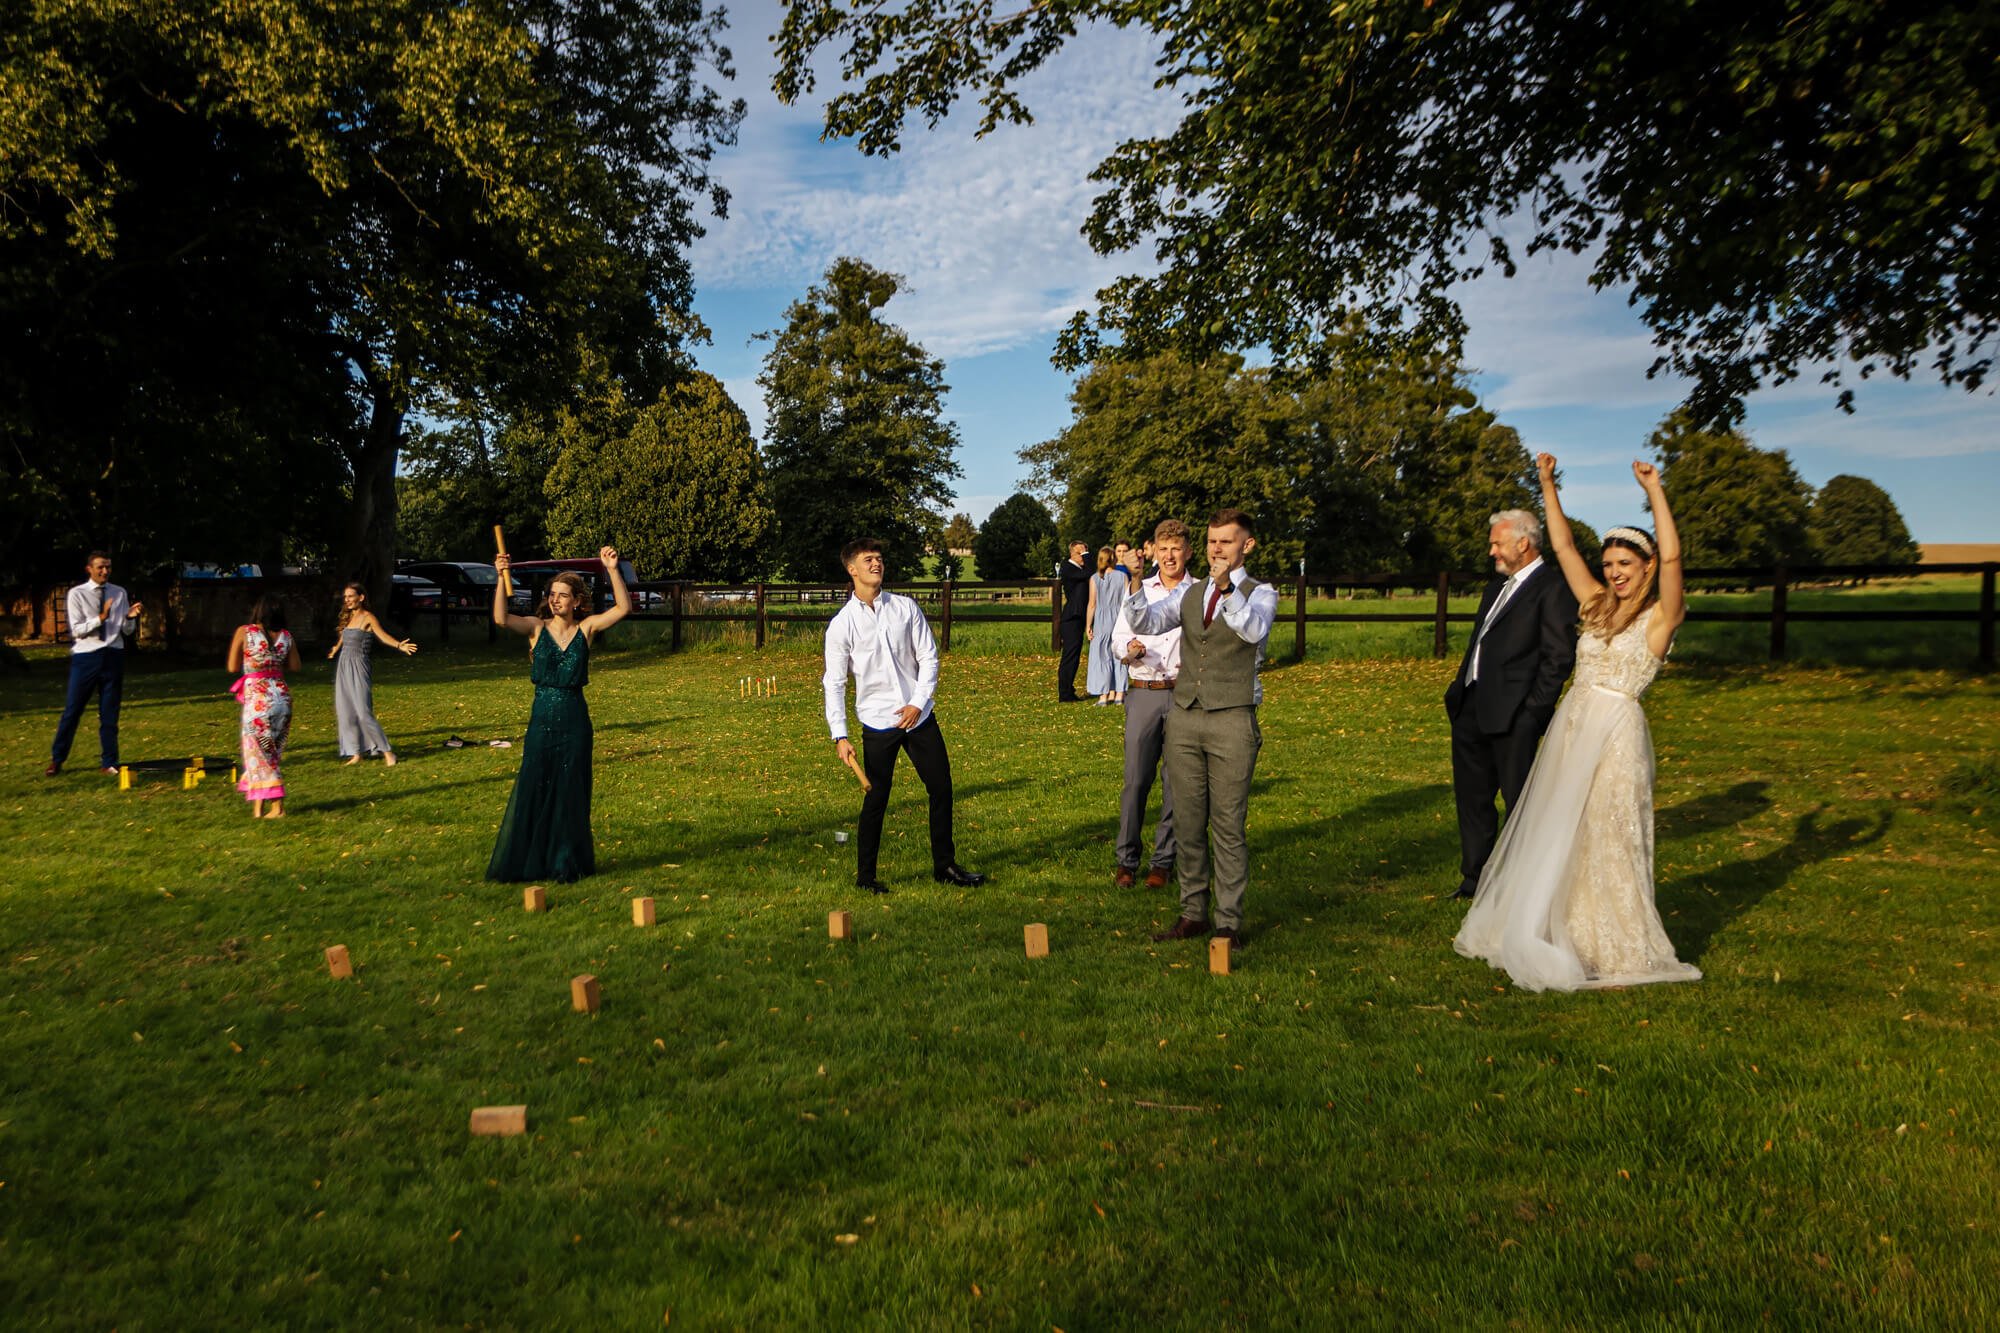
(1582, 583)
(1670, 583)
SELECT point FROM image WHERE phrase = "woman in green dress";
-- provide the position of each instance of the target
(546, 832)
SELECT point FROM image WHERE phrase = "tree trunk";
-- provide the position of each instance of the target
(369, 554)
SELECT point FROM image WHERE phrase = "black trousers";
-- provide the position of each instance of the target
(1483, 766)
(1072, 655)
(101, 673)
(925, 745)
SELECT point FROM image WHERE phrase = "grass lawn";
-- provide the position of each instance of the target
(765, 1128)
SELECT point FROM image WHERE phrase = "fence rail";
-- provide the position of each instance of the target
(968, 603)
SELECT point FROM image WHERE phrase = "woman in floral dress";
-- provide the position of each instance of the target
(263, 651)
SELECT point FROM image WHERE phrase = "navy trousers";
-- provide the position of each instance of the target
(101, 673)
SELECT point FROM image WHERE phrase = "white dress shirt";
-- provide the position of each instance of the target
(1508, 594)
(1249, 616)
(888, 649)
(1162, 661)
(84, 620)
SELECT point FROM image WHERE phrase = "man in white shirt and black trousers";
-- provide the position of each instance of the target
(883, 641)
(101, 616)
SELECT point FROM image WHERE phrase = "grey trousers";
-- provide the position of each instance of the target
(1145, 740)
(1210, 759)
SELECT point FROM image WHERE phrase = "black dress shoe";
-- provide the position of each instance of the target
(952, 874)
(1464, 891)
(1235, 938)
(872, 885)
(1187, 928)
(51, 770)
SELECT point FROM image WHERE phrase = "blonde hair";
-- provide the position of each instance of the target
(345, 614)
(1602, 614)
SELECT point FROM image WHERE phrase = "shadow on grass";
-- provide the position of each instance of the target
(1714, 810)
(1709, 900)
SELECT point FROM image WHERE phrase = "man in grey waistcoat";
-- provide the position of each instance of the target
(1212, 736)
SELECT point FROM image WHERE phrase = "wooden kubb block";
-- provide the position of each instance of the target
(500, 1121)
(840, 925)
(337, 961)
(583, 994)
(1218, 957)
(534, 898)
(642, 911)
(1036, 937)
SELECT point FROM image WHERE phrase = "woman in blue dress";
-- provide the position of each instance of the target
(1107, 676)
(353, 687)
(546, 831)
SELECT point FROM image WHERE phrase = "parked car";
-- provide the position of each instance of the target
(531, 576)
(409, 594)
(468, 583)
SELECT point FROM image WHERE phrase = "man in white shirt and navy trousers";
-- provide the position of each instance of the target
(883, 641)
(101, 616)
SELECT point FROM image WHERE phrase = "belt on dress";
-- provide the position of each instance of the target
(1607, 689)
(1150, 684)
(242, 682)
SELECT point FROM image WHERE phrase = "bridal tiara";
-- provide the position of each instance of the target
(1633, 535)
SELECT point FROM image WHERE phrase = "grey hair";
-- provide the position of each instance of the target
(1525, 525)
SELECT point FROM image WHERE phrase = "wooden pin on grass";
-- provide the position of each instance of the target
(500, 1122)
(534, 898)
(642, 912)
(1036, 937)
(583, 994)
(338, 963)
(1218, 956)
(840, 925)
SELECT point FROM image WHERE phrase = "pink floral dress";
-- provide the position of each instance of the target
(267, 712)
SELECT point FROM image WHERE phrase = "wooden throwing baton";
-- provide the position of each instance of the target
(506, 579)
(866, 785)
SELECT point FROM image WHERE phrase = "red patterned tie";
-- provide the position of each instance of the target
(1208, 616)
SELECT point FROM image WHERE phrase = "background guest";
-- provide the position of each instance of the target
(263, 651)
(101, 617)
(1105, 676)
(353, 682)
(1069, 622)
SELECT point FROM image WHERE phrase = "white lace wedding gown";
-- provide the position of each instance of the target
(1566, 899)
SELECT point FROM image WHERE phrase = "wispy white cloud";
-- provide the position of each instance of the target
(986, 231)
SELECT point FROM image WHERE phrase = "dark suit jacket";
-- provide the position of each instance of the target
(1526, 655)
(1076, 592)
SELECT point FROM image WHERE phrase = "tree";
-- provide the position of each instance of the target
(1779, 184)
(1014, 539)
(857, 443)
(959, 533)
(1735, 504)
(676, 485)
(1381, 461)
(1854, 522)
(286, 225)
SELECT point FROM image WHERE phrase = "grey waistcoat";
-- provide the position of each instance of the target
(1218, 669)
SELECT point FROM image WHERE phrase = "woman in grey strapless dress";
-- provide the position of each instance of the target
(353, 693)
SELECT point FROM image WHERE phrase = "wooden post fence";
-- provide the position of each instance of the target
(1299, 619)
(1055, 615)
(1986, 618)
(1778, 616)
(1438, 644)
(944, 617)
(679, 588)
(760, 615)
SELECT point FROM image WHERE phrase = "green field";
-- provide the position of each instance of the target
(922, 1128)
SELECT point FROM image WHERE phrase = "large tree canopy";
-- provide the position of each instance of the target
(857, 442)
(1779, 182)
(1735, 504)
(305, 220)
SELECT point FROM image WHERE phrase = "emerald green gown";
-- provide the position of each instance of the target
(546, 832)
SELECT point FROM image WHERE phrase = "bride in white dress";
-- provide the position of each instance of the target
(1566, 900)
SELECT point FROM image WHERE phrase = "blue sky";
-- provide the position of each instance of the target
(987, 233)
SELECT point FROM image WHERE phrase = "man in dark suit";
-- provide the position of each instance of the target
(1523, 645)
(1076, 601)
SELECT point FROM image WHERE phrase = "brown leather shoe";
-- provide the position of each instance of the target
(1156, 878)
(1187, 928)
(1125, 878)
(1235, 939)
